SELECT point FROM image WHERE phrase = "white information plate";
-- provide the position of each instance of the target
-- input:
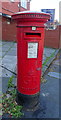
(32, 50)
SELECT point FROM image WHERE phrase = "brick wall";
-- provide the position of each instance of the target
(52, 38)
(8, 30)
(60, 35)
(10, 7)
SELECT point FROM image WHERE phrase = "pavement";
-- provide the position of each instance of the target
(49, 96)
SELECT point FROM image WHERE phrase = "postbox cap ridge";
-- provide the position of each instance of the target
(31, 16)
(31, 12)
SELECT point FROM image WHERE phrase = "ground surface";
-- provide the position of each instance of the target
(49, 94)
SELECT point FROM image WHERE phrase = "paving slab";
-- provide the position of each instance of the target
(52, 86)
(7, 46)
(50, 92)
(43, 59)
(44, 69)
(14, 44)
(0, 53)
(47, 54)
(9, 62)
(50, 61)
(3, 54)
(9, 43)
(49, 50)
(5, 78)
(0, 61)
(57, 62)
(3, 43)
(0, 71)
(4, 48)
(13, 49)
(55, 68)
(0, 48)
(6, 73)
(55, 75)
(12, 52)
(0, 42)
(5, 84)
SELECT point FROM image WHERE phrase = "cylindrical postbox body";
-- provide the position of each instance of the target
(30, 41)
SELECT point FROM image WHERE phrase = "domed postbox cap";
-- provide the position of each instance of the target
(31, 15)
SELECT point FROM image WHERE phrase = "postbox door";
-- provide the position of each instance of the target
(30, 65)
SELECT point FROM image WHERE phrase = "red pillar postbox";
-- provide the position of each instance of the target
(30, 41)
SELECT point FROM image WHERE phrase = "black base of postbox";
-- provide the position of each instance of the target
(27, 101)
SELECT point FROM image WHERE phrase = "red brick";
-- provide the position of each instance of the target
(53, 38)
